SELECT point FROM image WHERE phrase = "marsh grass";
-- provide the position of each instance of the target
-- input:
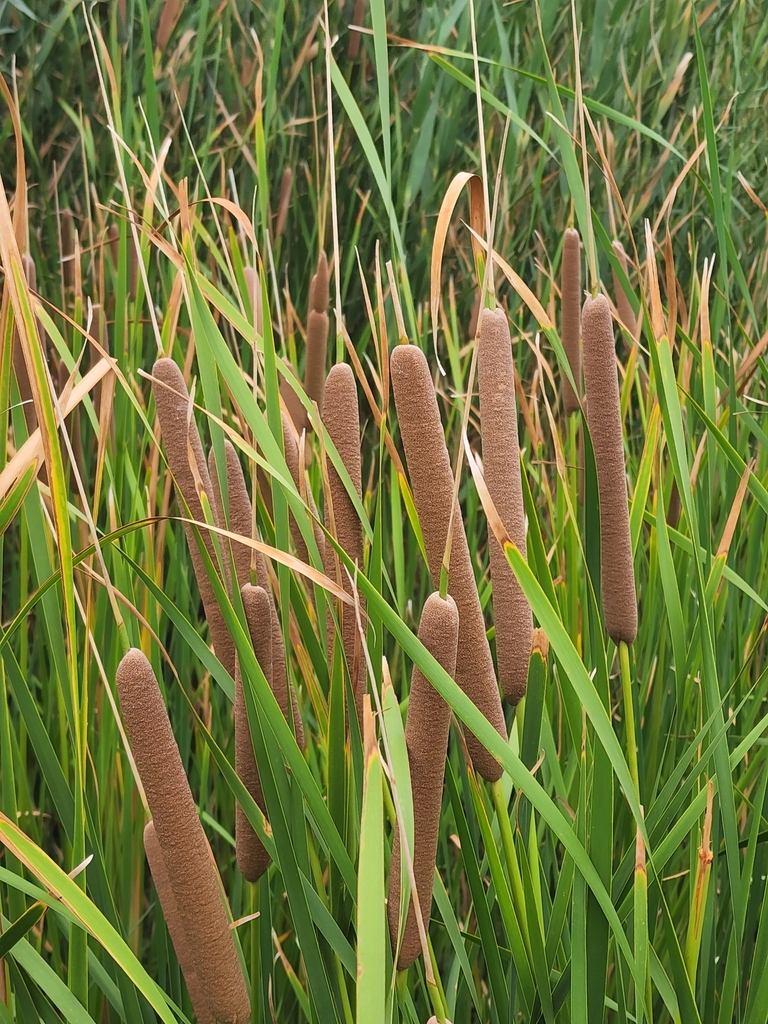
(594, 881)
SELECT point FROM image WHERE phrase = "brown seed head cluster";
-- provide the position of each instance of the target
(570, 315)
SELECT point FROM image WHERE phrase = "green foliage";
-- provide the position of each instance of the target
(592, 882)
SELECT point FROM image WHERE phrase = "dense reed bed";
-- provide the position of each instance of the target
(279, 441)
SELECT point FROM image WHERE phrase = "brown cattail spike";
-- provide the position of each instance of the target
(286, 184)
(604, 420)
(342, 421)
(187, 855)
(623, 305)
(293, 406)
(172, 403)
(291, 450)
(501, 461)
(317, 333)
(252, 857)
(426, 738)
(241, 522)
(175, 927)
(432, 479)
(570, 316)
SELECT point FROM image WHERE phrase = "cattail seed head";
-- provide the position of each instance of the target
(252, 857)
(286, 184)
(291, 450)
(241, 521)
(172, 404)
(342, 421)
(570, 315)
(317, 333)
(501, 461)
(187, 855)
(294, 407)
(431, 476)
(113, 237)
(604, 420)
(426, 738)
(623, 305)
(168, 19)
(319, 286)
(175, 927)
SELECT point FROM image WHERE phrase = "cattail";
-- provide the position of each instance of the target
(501, 461)
(175, 927)
(188, 860)
(354, 37)
(604, 420)
(19, 362)
(570, 316)
(252, 857)
(342, 421)
(241, 522)
(291, 450)
(182, 440)
(293, 406)
(623, 305)
(68, 248)
(286, 184)
(317, 333)
(113, 237)
(168, 19)
(432, 479)
(254, 293)
(426, 738)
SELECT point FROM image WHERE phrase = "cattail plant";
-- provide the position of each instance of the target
(291, 450)
(286, 184)
(188, 860)
(501, 461)
(432, 480)
(353, 47)
(172, 917)
(252, 857)
(182, 444)
(570, 316)
(623, 305)
(170, 15)
(342, 421)
(293, 405)
(241, 522)
(426, 738)
(317, 333)
(604, 420)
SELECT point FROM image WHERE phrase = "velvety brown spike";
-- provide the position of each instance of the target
(604, 419)
(254, 291)
(252, 857)
(623, 305)
(570, 315)
(175, 927)
(19, 363)
(68, 248)
(342, 421)
(291, 450)
(354, 37)
(187, 855)
(293, 406)
(432, 480)
(241, 522)
(168, 19)
(426, 738)
(286, 184)
(113, 237)
(317, 333)
(501, 462)
(172, 402)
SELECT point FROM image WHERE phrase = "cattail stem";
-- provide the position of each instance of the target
(342, 421)
(432, 479)
(172, 917)
(510, 856)
(604, 419)
(570, 316)
(501, 461)
(629, 716)
(426, 738)
(188, 860)
(184, 452)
